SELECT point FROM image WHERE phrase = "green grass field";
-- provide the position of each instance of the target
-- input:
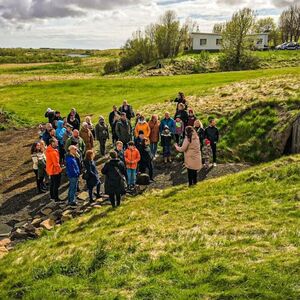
(235, 237)
(96, 96)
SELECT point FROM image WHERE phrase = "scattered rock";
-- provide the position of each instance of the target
(83, 196)
(36, 222)
(56, 214)
(3, 251)
(29, 228)
(38, 231)
(21, 234)
(66, 218)
(20, 224)
(5, 242)
(46, 211)
(48, 224)
(5, 230)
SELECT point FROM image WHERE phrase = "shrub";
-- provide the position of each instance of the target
(111, 66)
(247, 62)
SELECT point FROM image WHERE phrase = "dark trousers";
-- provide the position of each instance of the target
(54, 186)
(149, 166)
(115, 199)
(62, 153)
(39, 181)
(214, 151)
(91, 190)
(102, 146)
(192, 175)
(178, 138)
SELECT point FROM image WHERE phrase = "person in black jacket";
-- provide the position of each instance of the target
(127, 109)
(182, 114)
(181, 99)
(200, 131)
(114, 172)
(112, 116)
(212, 134)
(50, 114)
(74, 113)
(146, 161)
(91, 174)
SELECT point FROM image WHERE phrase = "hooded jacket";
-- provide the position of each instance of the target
(123, 131)
(168, 122)
(154, 131)
(142, 125)
(52, 161)
(60, 131)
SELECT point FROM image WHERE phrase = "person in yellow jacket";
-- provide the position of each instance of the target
(142, 125)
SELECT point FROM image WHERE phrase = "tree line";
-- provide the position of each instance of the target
(167, 38)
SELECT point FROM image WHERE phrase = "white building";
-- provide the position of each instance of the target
(213, 41)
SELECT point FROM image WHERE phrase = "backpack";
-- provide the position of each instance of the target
(143, 179)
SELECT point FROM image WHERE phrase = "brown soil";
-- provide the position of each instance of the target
(18, 197)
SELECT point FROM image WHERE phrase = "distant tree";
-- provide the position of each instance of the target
(235, 43)
(289, 23)
(219, 27)
(267, 25)
(187, 28)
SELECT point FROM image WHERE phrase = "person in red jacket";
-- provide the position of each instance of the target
(132, 157)
(53, 168)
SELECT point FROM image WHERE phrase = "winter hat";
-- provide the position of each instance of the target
(166, 127)
(191, 111)
(101, 118)
(49, 109)
(207, 142)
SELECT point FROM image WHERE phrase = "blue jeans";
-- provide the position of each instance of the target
(72, 189)
(153, 148)
(131, 175)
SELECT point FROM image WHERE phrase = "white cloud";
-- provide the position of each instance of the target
(107, 24)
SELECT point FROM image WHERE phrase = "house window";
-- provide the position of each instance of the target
(203, 42)
(218, 41)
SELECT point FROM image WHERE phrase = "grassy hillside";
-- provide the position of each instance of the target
(234, 237)
(96, 96)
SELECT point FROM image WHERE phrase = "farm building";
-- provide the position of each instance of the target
(213, 41)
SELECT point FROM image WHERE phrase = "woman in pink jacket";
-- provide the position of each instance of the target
(192, 154)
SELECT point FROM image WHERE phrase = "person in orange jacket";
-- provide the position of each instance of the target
(142, 125)
(132, 157)
(53, 168)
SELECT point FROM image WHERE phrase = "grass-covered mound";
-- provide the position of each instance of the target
(235, 237)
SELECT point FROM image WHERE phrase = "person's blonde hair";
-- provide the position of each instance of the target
(200, 123)
(119, 143)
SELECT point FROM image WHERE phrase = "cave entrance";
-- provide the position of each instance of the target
(293, 142)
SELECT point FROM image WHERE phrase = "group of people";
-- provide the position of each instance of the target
(68, 142)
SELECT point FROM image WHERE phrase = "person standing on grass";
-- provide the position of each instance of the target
(50, 114)
(120, 151)
(88, 120)
(112, 116)
(53, 168)
(57, 118)
(36, 156)
(115, 174)
(102, 134)
(167, 121)
(74, 113)
(91, 175)
(179, 130)
(132, 157)
(182, 114)
(154, 124)
(73, 121)
(73, 173)
(59, 133)
(191, 118)
(87, 136)
(212, 134)
(68, 133)
(46, 135)
(166, 143)
(142, 125)
(127, 109)
(124, 130)
(181, 99)
(200, 131)
(146, 161)
(113, 128)
(192, 154)
(207, 153)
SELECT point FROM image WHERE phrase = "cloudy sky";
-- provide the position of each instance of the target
(102, 24)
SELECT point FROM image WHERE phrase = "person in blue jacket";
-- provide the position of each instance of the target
(167, 121)
(73, 173)
(59, 133)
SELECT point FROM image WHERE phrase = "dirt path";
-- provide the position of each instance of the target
(18, 198)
